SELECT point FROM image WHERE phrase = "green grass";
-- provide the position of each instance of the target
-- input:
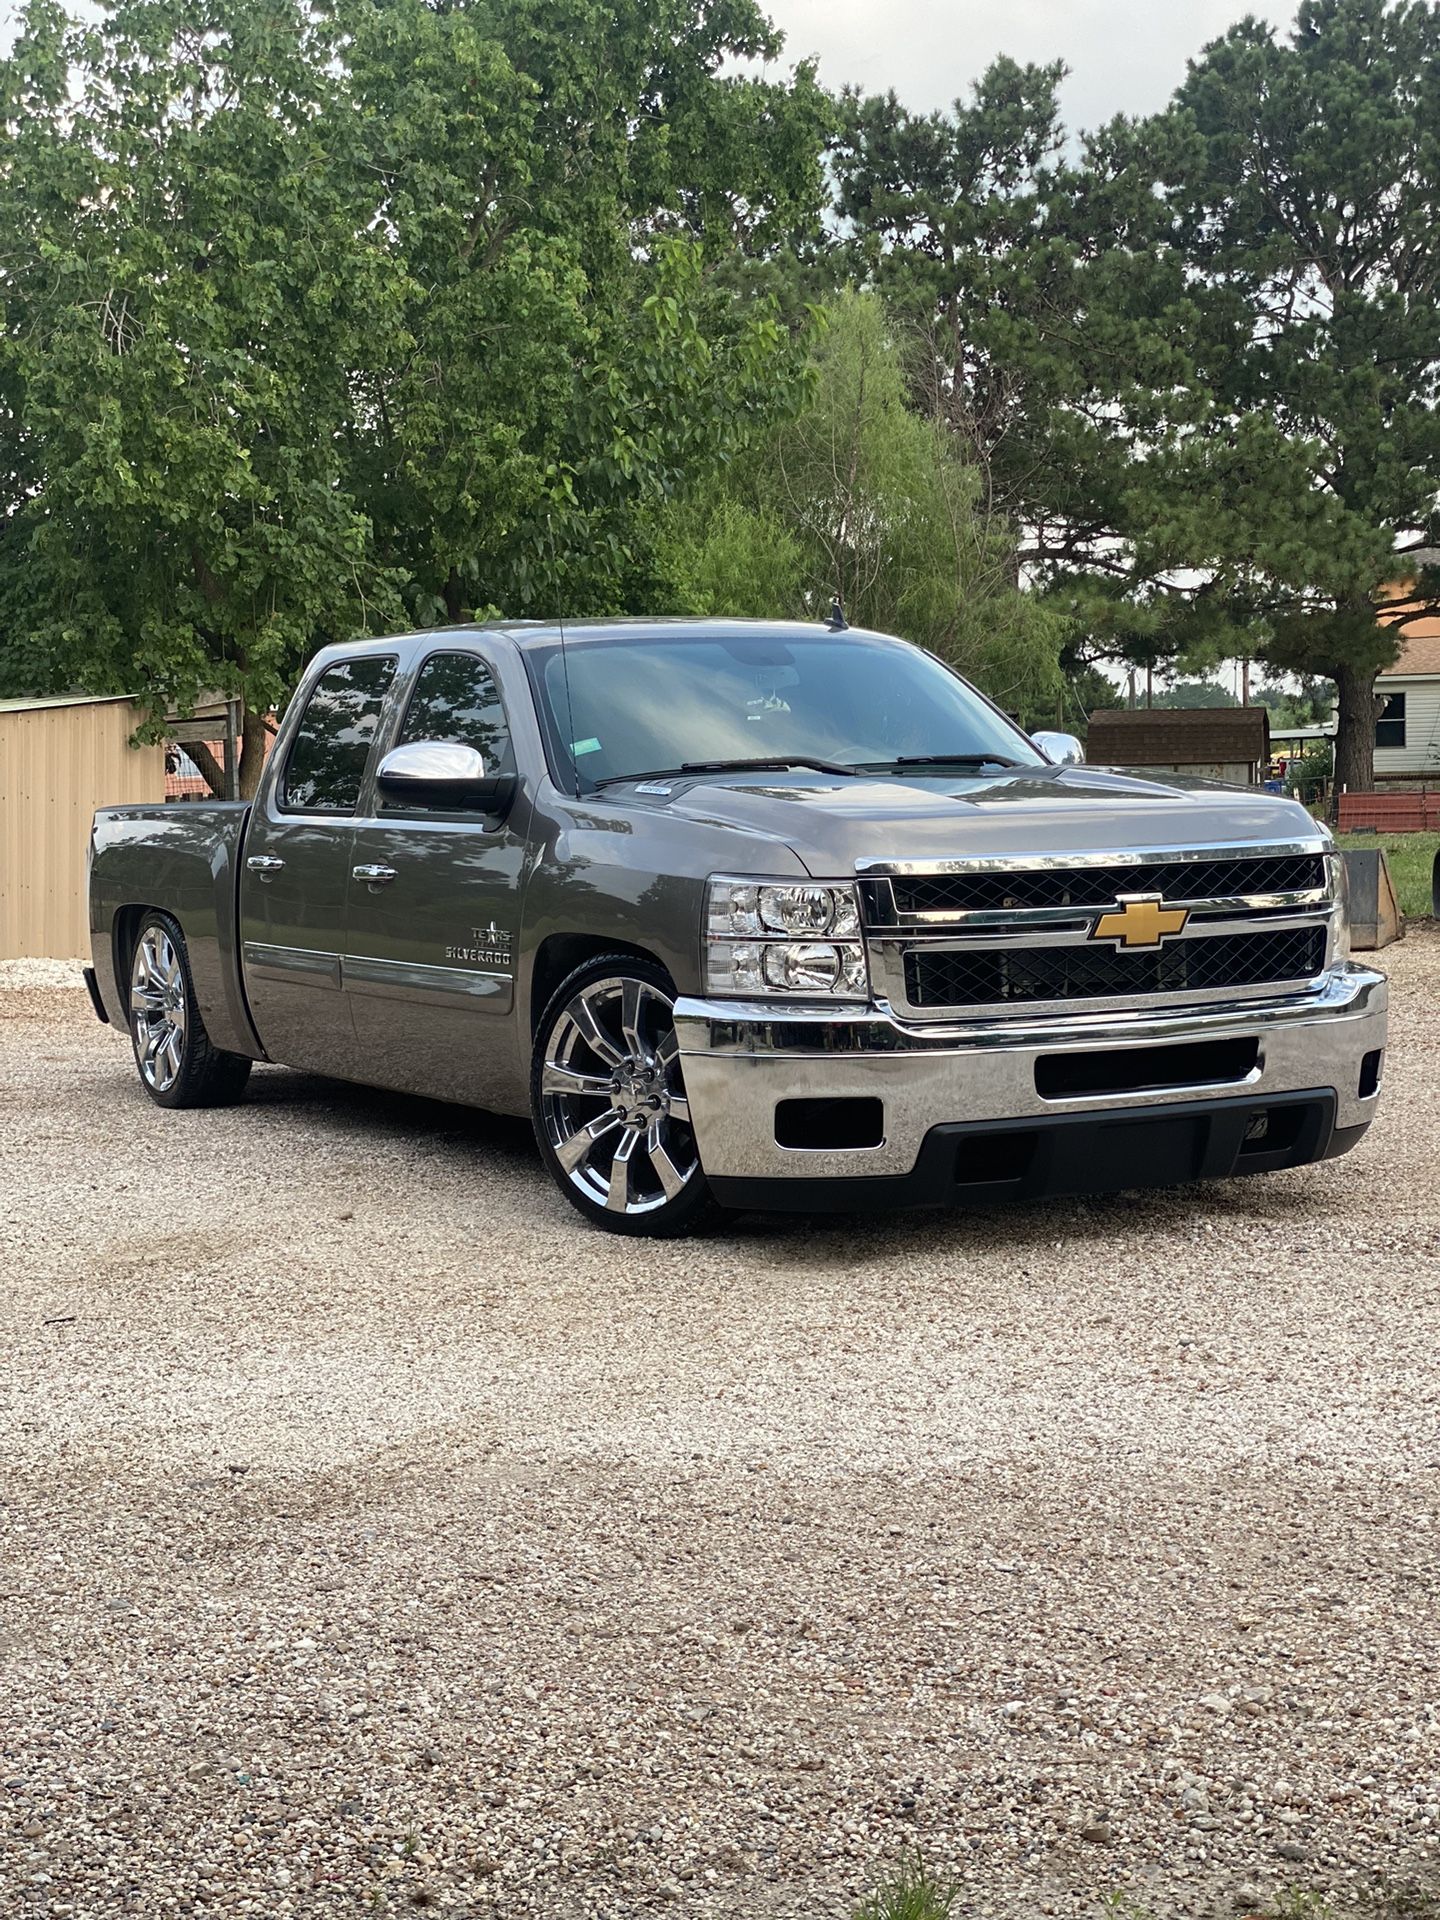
(1406, 1903)
(1412, 862)
(911, 1892)
(1299, 1903)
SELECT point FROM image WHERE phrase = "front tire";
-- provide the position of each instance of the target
(177, 1064)
(609, 1105)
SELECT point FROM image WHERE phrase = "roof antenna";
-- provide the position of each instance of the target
(835, 619)
(565, 669)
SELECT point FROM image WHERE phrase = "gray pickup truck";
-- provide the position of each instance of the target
(744, 915)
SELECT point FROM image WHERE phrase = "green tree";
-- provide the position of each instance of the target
(560, 180)
(321, 319)
(1195, 693)
(946, 218)
(1302, 189)
(1048, 337)
(862, 497)
(1197, 363)
(644, 122)
(1307, 705)
(191, 284)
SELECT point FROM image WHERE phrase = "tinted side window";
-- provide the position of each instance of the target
(337, 729)
(456, 698)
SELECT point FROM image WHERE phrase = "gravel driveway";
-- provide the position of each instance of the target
(373, 1535)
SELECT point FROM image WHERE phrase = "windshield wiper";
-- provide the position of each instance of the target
(769, 765)
(940, 760)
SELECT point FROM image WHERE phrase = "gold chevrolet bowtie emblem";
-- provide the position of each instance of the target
(1139, 920)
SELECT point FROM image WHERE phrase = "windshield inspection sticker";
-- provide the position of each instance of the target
(577, 747)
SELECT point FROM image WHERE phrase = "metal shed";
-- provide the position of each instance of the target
(1216, 743)
(59, 761)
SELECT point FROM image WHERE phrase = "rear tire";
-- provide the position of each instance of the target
(609, 1106)
(177, 1064)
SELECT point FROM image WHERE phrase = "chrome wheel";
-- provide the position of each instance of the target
(612, 1099)
(157, 1009)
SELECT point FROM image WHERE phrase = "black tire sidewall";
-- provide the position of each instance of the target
(691, 1211)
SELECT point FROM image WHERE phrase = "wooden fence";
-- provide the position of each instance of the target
(1414, 811)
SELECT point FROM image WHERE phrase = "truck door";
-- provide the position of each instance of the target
(296, 871)
(433, 922)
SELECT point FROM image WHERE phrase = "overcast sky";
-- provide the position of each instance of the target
(1125, 56)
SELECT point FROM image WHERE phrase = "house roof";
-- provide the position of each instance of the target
(1420, 643)
(1419, 654)
(1178, 736)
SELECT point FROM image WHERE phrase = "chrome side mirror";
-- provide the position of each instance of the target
(1060, 749)
(444, 774)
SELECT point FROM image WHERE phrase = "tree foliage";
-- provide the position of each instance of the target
(1042, 317)
(320, 317)
(190, 288)
(558, 178)
(317, 321)
(1305, 201)
(861, 497)
(1198, 362)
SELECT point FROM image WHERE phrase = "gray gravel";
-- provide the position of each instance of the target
(373, 1535)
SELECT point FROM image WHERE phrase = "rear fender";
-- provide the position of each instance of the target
(184, 859)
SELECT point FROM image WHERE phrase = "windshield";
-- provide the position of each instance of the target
(642, 705)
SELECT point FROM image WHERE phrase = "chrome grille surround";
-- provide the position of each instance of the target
(931, 897)
(905, 940)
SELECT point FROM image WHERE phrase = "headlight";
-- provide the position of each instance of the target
(1340, 912)
(784, 938)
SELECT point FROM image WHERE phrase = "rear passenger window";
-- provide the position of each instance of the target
(326, 767)
(456, 699)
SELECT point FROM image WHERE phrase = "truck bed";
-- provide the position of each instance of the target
(184, 858)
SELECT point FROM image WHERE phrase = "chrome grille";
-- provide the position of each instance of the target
(973, 976)
(1044, 934)
(991, 890)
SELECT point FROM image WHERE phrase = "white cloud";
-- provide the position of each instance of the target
(1125, 56)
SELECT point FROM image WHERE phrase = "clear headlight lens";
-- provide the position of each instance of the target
(794, 938)
(734, 909)
(797, 911)
(1340, 913)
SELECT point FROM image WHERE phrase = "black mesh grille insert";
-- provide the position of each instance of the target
(1003, 974)
(1098, 886)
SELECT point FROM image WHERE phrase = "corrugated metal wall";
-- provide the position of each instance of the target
(57, 765)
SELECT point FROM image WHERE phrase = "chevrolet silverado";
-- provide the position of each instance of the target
(744, 915)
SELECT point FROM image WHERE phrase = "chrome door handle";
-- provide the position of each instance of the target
(264, 863)
(373, 876)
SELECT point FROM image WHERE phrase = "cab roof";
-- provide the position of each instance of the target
(530, 635)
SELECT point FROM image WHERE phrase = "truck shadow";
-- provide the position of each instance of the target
(1276, 1203)
(353, 1109)
(1037, 1231)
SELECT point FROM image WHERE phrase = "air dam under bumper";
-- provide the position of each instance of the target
(961, 1116)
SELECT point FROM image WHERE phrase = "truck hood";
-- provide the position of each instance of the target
(833, 825)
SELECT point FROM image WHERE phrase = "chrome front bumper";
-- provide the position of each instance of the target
(741, 1060)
